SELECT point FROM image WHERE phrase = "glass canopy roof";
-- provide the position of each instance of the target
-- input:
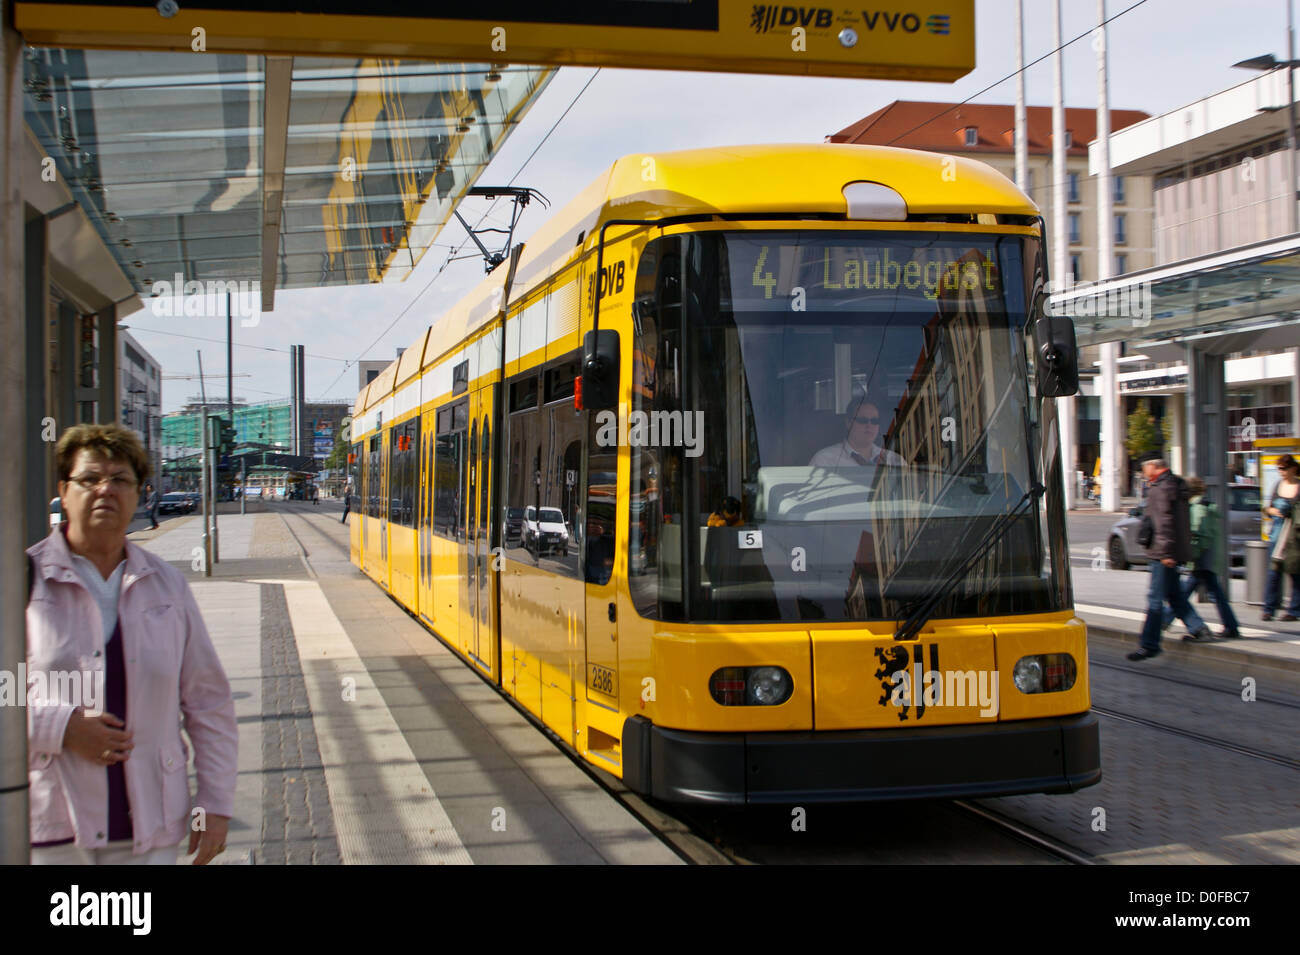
(1252, 288)
(299, 172)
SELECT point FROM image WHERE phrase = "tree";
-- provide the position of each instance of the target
(1143, 433)
(338, 456)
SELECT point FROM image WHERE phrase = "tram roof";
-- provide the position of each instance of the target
(777, 180)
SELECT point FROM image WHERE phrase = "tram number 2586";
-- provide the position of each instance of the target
(602, 679)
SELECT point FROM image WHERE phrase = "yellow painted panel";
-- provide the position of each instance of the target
(402, 564)
(445, 611)
(912, 40)
(858, 686)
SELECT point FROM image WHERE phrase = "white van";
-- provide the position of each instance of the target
(545, 530)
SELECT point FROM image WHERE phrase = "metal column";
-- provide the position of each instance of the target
(15, 421)
(1207, 437)
(110, 395)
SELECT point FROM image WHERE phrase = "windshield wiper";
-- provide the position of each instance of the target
(926, 606)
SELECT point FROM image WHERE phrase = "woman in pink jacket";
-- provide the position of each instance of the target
(116, 654)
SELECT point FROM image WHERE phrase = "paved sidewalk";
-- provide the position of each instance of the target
(362, 738)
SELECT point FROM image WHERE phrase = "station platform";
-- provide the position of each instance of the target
(362, 738)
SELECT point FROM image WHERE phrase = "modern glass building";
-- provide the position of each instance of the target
(268, 423)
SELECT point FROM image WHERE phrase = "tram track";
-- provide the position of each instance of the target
(1023, 832)
(1151, 675)
(1199, 737)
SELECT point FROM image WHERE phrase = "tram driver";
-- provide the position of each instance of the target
(861, 431)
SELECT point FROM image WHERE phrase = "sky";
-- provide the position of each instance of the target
(1163, 54)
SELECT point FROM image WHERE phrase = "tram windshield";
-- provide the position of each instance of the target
(824, 425)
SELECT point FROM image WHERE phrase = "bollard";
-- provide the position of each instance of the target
(1256, 571)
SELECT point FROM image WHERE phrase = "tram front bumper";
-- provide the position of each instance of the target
(1055, 755)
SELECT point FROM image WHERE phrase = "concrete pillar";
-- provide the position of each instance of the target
(14, 422)
(1179, 458)
(37, 454)
(1112, 434)
(1295, 392)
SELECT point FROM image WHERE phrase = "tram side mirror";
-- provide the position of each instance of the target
(1056, 355)
(600, 369)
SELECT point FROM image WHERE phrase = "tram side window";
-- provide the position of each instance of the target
(523, 469)
(561, 489)
(354, 472)
(374, 493)
(448, 476)
(405, 454)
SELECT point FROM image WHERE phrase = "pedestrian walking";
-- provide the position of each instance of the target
(1207, 543)
(1284, 542)
(151, 505)
(347, 502)
(1169, 511)
(117, 655)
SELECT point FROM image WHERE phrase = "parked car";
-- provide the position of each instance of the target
(176, 502)
(1243, 525)
(545, 530)
(514, 525)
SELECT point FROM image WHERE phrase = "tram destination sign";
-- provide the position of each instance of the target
(905, 39)
(829, 274)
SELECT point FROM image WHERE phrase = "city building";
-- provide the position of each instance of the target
(368, 370)
(140, 389)
(1219, 168)
(267, 424)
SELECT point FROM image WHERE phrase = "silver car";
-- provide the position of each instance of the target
(1243, 523)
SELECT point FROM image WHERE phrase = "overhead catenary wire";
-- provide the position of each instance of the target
(1013, 73)
(221, 341)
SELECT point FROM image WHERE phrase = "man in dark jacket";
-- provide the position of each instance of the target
(151, 505)
(1168, 507)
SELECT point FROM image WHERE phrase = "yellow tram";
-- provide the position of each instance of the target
(742, 477)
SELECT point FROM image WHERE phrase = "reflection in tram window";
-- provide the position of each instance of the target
(448, 490)
(601, 509)
(654, 511)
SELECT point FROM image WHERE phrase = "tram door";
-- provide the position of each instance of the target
(478, 579)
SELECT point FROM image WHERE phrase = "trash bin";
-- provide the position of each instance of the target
(1256, 571)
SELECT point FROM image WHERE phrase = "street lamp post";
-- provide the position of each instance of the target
(1267, 63)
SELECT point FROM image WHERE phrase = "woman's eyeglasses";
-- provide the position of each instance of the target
(872, 420)
(116, 482)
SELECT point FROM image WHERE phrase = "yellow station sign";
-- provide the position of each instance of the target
(904, 39)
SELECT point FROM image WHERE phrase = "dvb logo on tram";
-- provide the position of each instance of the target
(611, 281)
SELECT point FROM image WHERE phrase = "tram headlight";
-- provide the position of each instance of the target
(1028, 675)
(1045, 673)
(751, 686)
(768, 686)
